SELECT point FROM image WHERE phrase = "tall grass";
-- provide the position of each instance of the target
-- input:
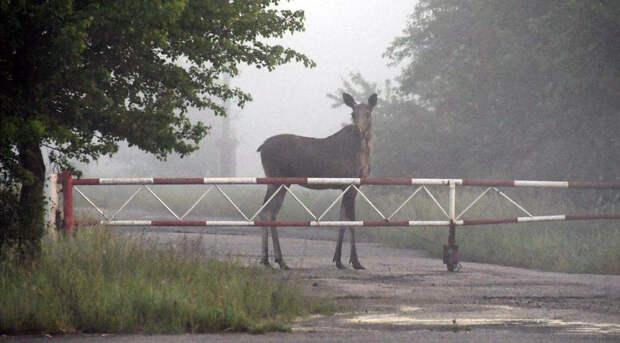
(99, 281)
(561, 247)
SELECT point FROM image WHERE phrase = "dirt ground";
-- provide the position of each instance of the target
(403, 295)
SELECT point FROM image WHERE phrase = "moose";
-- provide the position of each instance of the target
(345, 154)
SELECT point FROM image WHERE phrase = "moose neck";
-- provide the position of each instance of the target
(365, 151)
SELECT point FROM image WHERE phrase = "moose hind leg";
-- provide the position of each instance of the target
(266, 215)
(264, 259)
(338, 252)
(277, 251)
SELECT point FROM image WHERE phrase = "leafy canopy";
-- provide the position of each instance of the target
(518, 88)
(78, 76)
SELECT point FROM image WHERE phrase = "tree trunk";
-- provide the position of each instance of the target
(31, 201)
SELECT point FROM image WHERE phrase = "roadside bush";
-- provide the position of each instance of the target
(106, 282)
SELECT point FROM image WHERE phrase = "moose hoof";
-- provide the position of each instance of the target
(265, 262)
(339, 265)
(283, 265)
(358, 266)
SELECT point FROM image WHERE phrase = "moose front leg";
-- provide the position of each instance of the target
(349, 208)
(338, 252)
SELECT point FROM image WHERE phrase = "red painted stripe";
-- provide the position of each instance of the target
(595, 185)
(86, 223)
(280, 223)
(177, 223)
(384, 223)
(282, 180)
(489, 221)
(85, 181)
(489, 183)
(385, 181)
(178, 181)
(592, 216)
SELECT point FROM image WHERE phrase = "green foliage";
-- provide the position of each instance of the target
(103, 282)
(521, 89)
(77, 77)
(80, 76)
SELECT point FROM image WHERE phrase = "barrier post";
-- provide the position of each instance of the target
(450, 251)
(52, 209)
(67, 201)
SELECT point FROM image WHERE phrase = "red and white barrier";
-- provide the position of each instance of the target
(452, 219)
(341, 181)
(358, 223)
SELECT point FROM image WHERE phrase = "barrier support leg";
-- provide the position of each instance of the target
(450, 251)
(67, 201)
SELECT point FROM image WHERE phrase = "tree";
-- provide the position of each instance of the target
(520, 88)
(78, 77)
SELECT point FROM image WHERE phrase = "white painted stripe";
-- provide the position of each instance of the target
(435, 181)
(430, 222)
(333, 181)
(127, 223)
(555, 184)
(337, 223)
(229, 223)
(540, 218)
(126, 181)
(229, 180)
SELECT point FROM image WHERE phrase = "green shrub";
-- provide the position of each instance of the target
(99, 281)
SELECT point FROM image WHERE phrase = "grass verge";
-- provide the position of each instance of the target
(570, 247)
(103, 282)
(565, 246)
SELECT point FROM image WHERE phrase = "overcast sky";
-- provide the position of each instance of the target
(341, 37)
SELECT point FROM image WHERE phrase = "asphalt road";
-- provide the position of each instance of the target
(405, 296)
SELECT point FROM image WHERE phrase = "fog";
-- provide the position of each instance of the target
(342, 37)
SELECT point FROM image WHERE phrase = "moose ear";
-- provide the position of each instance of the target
(372, 100)
(348, 100)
